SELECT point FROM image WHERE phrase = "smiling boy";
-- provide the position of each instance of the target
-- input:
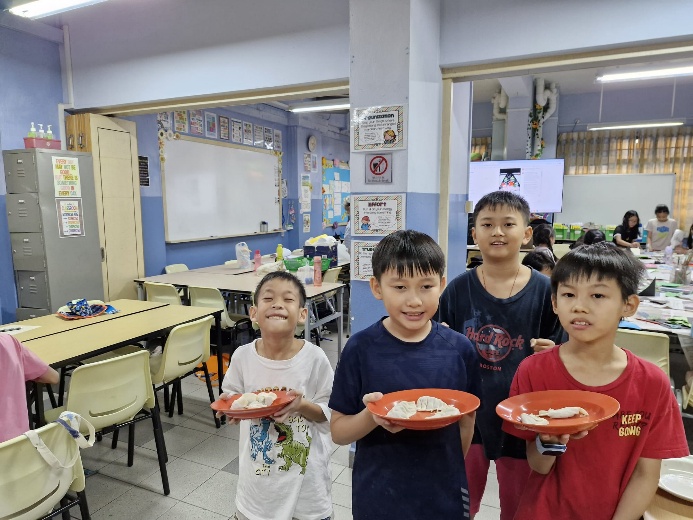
(611, 473)
(405, 473)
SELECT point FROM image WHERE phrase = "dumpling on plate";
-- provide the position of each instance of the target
(563, 413)
(447, 411)
(266, 398)
(244, 401)
(530, 418)
(426, 403)
(402, 410)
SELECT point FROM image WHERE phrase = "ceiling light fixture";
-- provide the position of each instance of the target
(646, 74)
(320, 106)
(635, 124)
(41, 8)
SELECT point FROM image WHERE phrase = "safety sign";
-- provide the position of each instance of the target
(379, 168)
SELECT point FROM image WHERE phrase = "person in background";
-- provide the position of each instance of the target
(681, 243)
(593, 236)
(627, 234)
(539, 261)
(347, 229)
(660, 229)
(17, 366)
(612, 471)
(544, 238)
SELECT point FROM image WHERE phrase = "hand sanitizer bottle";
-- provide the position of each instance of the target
(40, 134)
(49, 133)
(32, 131)
(317, 271)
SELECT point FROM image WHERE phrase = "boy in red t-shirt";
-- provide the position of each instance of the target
(613, 472)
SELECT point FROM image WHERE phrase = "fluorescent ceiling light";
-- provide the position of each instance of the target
(320, 106)
(646, 74)
(41, 8)
(635, 124)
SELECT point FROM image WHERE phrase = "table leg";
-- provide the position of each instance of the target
(307, 327)
(140, 291)
(220, 356)
(340, 321)
(38, 395)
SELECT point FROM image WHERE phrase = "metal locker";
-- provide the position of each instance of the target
(27, 251)
(32, 289)
(21, 174)
(24, 313)
(23, 213)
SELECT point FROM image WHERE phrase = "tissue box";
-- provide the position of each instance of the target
(324, 251)
(35, 142)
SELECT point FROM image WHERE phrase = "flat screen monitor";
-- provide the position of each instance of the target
(540, 182)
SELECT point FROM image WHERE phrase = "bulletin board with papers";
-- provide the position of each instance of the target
(336, 186)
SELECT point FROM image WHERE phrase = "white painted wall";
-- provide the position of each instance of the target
(130, 51)
(477, 32)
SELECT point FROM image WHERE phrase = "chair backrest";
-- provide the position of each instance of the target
(111, 391)
(232, 263)
(686, 396)
(652, 346)
(331, 275)
(210, 297)
(186, 347)
(175, 268)
(560, 249)
(30, 488)
(162, 293)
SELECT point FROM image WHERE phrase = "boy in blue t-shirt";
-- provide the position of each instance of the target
(405, 473)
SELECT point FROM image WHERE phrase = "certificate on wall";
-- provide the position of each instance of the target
(269, 138)
(362, 256)
(258, 135)
(247, 133)
(224, 128)
(180, 121)
(377, 214)
(379, 128)
(278, 140)
(236, 131)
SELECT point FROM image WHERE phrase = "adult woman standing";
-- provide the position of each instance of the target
(628, 233)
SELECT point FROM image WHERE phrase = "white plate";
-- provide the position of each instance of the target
(676, 477)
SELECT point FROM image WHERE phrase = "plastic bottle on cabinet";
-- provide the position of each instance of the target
(49, 133)
(40, 133)
(258, 259)
(317, 271)
(32, 131)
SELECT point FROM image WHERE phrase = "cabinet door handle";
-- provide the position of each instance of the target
(20, 161)
(103, 254)
(70, 141)
(80, 140)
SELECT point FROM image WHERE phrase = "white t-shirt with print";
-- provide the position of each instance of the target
(660, 233)
(284, 469)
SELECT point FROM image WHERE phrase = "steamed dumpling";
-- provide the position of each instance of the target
(426, 403)
(249, 401)
(266, 398)
(563, 413)
(244, 401)
(446, 411)
(402, 410)
(530, 418)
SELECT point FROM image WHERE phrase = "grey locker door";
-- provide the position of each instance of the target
(32, 289)
(27, 251)
(21, 174)
(23, 213)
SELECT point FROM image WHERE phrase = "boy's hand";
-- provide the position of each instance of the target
(562, 439)
(229, 419)
(377, 396)
(290, 409)
(541, 344)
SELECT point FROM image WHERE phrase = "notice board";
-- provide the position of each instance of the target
(217, 190)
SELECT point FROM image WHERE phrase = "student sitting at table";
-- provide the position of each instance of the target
(612, 472)
(660, 229)
(628, 233)
(681, 243)
(17, 366)
(284, 460)
(540, 261)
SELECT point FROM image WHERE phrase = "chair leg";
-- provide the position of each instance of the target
(114, 442)
(160, 447)
(211, 393)
(131, 444)
(166, 399)
(61, 387)
(179, 395)
(172, 400)
(65, 514)
(83, 505)
(51, 396)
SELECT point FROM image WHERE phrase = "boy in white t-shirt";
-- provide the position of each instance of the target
(284, 460)
(660, 230)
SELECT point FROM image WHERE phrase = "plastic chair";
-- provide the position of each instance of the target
(186, 347)
(330, 276)
(560, 249)
(686, 400)
(115, 393)
(162, 293)
(651, 346)
(31, 488)
(175, 268)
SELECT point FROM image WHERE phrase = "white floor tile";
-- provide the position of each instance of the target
(336, 470)
(345, 477)
(217, 495)
(180, 440)
(145, 463)
(184, 477)
(216, 452)
(183, 511)
(341, 513)
(341, 495)
(136, 503)
(102, 490)
(341, 456)
(100, 454)
(487, 513)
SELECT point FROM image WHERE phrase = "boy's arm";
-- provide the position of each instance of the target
(346, 429)
(466, 424)
(640, 490)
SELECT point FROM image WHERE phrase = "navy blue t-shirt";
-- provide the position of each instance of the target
(501, 330)
(410, 474)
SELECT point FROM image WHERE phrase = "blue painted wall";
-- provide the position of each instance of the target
(30, 90)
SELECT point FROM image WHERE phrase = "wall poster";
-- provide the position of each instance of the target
(377, 214)
(70, 218)
(66, 176)
(362, 257)
(379, 128)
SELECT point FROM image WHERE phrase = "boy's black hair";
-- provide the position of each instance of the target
(542, 236)
(661, 208)
(502, 198)
(538, 260)
(407, 251)
(594, 236)
(603, 260)
(282, 275)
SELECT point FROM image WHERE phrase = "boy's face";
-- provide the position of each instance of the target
(662, 216)
(590, 309)
(409, 301)
(278, 308)
(500, 232)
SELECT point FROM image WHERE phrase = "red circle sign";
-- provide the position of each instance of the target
(378, 165)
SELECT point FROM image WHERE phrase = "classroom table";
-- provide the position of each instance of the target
(245, 284)
(227, 269)
(665, 506)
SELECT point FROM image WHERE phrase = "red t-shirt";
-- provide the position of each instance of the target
(587, 481)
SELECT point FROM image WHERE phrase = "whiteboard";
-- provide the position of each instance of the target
(604, 199)
(217, 190)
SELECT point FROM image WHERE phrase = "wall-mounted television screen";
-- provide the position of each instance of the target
(540, 182)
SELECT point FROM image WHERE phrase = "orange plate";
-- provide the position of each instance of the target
(463, 401)
(600, 407)
(254, 413)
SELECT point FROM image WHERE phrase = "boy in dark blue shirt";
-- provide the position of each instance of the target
(405, 473)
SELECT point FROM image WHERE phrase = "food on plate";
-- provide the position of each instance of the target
(530, 418)
(563, 413)
(447, 411)
(426, 403)
(250, 400)
(402, 410)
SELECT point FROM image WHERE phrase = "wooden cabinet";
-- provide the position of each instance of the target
(113, 145)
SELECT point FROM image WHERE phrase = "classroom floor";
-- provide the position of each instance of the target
(203, 466)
